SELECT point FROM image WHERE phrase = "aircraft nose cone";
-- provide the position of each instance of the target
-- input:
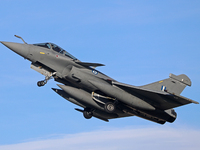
(21, 49)
(4, 43)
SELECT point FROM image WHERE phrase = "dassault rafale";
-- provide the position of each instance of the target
(99, 95)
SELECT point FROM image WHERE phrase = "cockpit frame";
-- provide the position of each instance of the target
(56, 48)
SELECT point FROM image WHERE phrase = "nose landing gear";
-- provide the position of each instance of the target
(41, 83)
(47, 78)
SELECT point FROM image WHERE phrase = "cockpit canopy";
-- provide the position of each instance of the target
(55, 48)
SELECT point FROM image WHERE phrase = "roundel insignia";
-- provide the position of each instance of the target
(94, 72)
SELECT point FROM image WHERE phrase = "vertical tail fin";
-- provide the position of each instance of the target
(174, 84)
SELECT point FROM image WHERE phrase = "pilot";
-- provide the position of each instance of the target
(47, 45)
(63, 52)
(55, 48)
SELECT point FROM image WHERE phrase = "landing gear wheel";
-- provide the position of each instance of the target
(87, 113)
(110, 107)
(47, 78)
(40, 83)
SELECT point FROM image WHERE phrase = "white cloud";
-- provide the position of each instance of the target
(164, 138)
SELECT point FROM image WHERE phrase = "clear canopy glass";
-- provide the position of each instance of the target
(55, 48)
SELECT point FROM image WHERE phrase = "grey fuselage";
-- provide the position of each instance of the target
(66, 68)
(100, 95)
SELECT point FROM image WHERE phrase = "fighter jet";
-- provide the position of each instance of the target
(99, 95)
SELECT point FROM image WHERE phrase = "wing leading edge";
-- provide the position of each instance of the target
(87, 64)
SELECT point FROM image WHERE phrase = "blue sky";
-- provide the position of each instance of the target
(139, 42)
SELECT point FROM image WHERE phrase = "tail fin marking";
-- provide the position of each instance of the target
(173, 84)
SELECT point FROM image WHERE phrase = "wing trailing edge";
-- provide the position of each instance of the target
(162, 99)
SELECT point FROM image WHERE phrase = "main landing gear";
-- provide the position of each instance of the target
(110, 107)
(87, 113)
(47, 78)
(110, 103)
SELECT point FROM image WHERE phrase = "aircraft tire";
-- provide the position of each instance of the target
(40, 83)
(109, 107)
(87, 113)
